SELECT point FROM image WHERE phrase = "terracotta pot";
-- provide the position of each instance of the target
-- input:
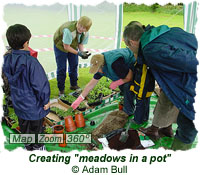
(64, 144)
(120, 107)
(58, 129)
(79, 119)
(69, 124)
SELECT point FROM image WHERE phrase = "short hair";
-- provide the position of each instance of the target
(17, 35)
(85, 22)
(134, 22)
(132, 32)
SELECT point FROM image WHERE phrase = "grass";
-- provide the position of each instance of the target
(155, 19)
(83, 79)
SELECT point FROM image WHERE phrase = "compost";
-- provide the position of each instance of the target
(113, 121)
(133, 141)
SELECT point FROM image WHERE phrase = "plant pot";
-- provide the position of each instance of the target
(81, 109)
(96, 103)
(64, 144)
(69, 124)
(98, 100)
(66, 102)
(76, 94)
(58, 129)
(79, 119)
(120, 107)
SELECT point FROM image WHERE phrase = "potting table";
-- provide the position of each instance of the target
(97, 115)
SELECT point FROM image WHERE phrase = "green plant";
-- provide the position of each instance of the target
(68, 98)
(82, 105)
(101, 88)
(48, 130)
(14, 125)
(61, 112)
(15, 119)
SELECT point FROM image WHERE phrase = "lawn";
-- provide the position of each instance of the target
(84, 78)
(151, 18)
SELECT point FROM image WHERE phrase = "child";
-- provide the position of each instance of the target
(29, 86)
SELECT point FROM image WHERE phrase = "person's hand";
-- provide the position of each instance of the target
(47, 106)
(84, 54)
(114, 84)
(77, 102)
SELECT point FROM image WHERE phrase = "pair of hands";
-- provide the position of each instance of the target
(84, 54)
(77, 102)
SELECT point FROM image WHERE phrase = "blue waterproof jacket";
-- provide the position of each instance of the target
(29, 86)
(171, 55)
(112, 56)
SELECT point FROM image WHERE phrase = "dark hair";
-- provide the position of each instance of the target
(136, 23)
(17, 35)
(132, 32)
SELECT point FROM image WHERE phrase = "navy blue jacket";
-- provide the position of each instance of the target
(29, 86)
(172, 59)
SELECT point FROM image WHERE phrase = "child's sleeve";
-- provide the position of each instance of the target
(40, 84)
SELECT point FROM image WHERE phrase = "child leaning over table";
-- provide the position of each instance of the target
(29, 86)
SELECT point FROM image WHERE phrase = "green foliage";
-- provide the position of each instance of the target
(136, 8)
(48, 130)
(82, 105)
(167, 9)
(61, 112)
(14, 125)
(15, 119)
(102, 87)
(154, 7)
(69, 98)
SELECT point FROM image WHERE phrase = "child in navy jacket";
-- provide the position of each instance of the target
(29, 86)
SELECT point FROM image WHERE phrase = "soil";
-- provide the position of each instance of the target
(113, 121)
(133, 141)
(58, 128)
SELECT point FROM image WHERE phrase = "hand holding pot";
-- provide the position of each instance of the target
(77, 102)
(114, 84)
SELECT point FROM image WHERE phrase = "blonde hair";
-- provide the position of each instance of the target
(85, 22)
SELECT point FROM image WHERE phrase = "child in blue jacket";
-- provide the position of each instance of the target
(29, 86)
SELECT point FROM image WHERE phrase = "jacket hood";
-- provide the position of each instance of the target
(15, 65)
